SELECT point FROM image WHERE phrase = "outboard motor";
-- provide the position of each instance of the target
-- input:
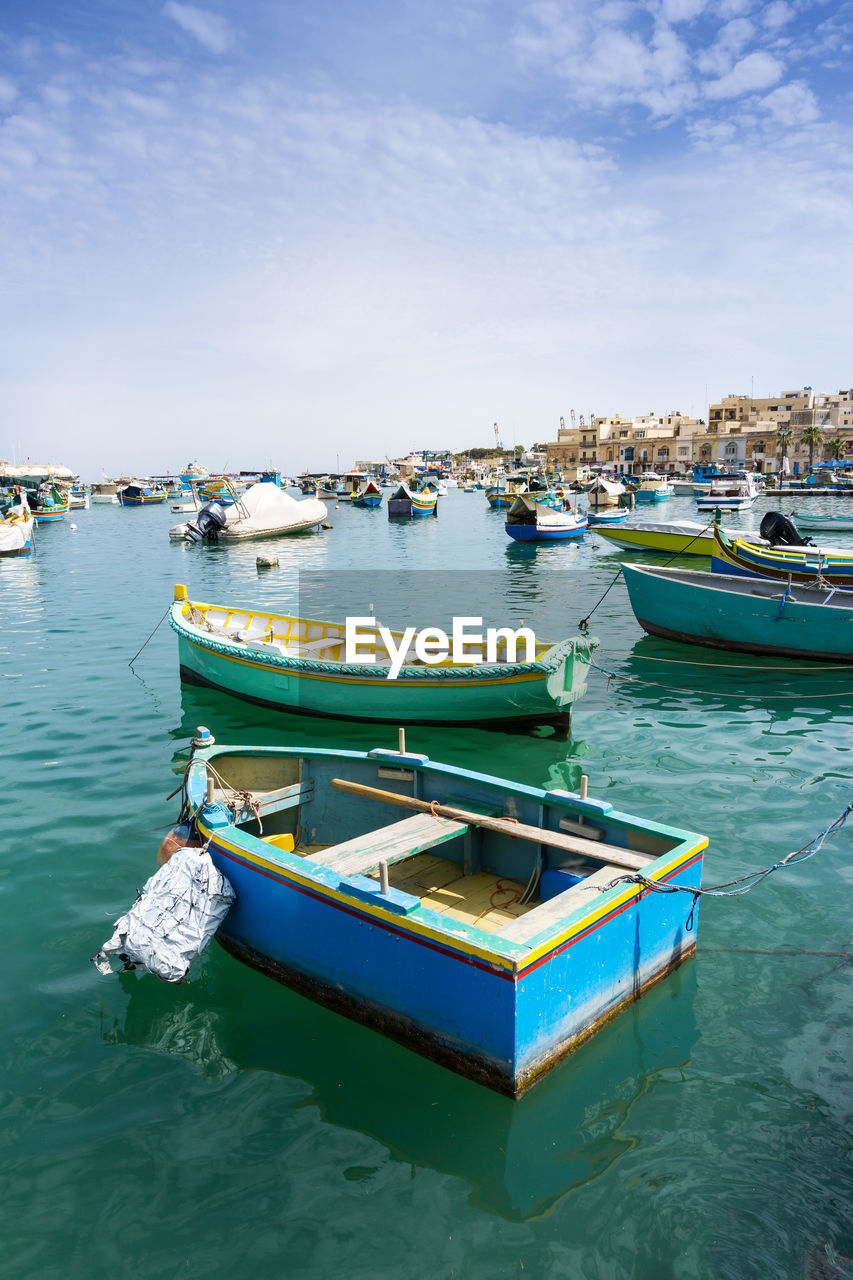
(780, 530)
(207, 524)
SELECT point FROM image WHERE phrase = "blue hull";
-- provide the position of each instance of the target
(501, 1006)
(531, 533)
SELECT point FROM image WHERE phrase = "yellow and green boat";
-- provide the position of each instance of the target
(684, 537)
(297, 665)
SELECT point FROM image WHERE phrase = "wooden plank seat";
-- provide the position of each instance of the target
(389, 844)
(562, 904)
(271, 801)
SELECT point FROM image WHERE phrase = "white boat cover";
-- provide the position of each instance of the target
(264, 510)
(171, 922)
(611, 487)
(14, 535)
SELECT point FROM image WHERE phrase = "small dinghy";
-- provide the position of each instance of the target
(263, 511)
(823, 524)
(531, 521)
(489, 925)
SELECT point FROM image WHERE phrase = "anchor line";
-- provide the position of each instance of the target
(716, 693)
(584, 622)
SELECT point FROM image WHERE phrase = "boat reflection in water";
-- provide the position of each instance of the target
(519, 1158)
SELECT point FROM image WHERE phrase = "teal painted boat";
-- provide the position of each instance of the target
(486, 924)
(296, 664)
(747, 615)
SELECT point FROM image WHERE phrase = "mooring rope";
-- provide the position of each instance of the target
(584, 622)
(743, 884)
(715, 693)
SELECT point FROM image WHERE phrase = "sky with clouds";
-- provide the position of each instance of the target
(305, 233)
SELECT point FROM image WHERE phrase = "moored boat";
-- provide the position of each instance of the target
(263, 511)
(531, 521)
(607, 516)
(298, 665)
(682, 537)
(489, 925)
(368, 494)
(49, 504)
(410, 503)
(746, 615)
(141, 495)
(729, 493)
(653, 488)
(16, 526)
(738, 555)
(105, 492)
(821, 523)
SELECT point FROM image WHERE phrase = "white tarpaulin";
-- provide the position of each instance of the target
(263, 510)
(173, 919)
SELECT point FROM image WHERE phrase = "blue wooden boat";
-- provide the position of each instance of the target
(297, 665)
(531, 521)
(484, 923)
(607, 516)
(405, 503)
(49, 504)
(368, 494)
(747, 615)
(796, 564)
(141, 495)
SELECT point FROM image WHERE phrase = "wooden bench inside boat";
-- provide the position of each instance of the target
(389, 844)
(562, 904)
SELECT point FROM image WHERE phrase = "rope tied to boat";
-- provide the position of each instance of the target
(583, 625)
(743, 884)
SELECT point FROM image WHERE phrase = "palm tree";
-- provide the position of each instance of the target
(784, 439)
(812, 436)
(835, 447)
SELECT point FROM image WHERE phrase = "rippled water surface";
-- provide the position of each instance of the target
(228, 1127)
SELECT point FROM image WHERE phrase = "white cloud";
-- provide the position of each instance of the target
(792, 104)
(776, 15)
(755, 71)
(8, 91)
(211, 30)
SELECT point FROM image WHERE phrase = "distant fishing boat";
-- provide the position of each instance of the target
(409, 503)
(747, 615)
(607, 516)
(105, 492)
(682, 537)
(820, 524)
(486, 924)
(49, 504)
(194, 471)
(263, 511)
(605, 493)
(729, 493)
(141, 495)
(78, 498)
(16, 526)
(368, 494)
(531, 521)
(737, 555)
(297, 664)
(653, 488)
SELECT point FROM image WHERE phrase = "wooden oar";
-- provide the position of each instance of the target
(609, 853)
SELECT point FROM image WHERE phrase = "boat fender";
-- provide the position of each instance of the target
(171, 922)
(178, 838)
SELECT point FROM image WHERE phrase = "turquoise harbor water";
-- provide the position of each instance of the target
(228, 1127)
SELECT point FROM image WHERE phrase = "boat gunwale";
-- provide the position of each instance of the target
(514, 958)
(546, 664)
